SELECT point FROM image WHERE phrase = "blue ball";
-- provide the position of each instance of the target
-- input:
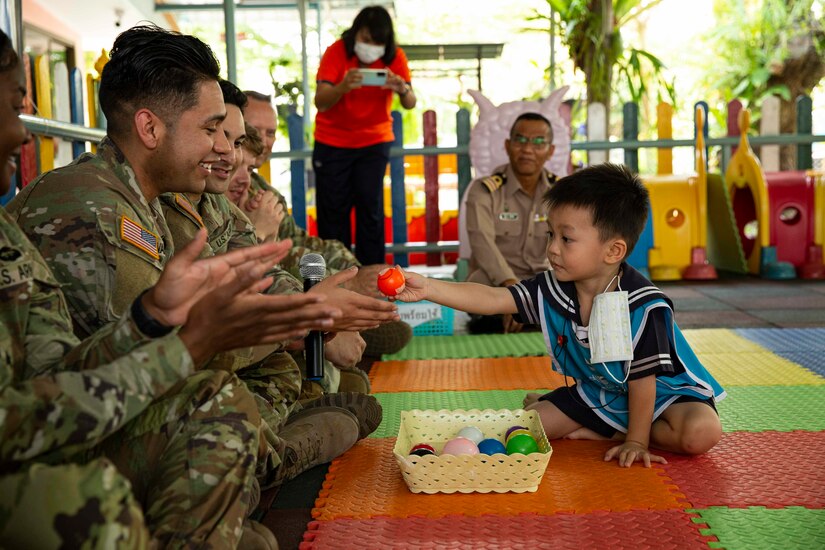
(491, 447)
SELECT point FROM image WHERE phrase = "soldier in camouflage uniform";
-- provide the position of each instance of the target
(188, 452)
(386, 339)
(276, 379)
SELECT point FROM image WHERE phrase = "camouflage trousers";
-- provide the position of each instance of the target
(314, 389)
(191, 458)
(275, 383)
(87, 506)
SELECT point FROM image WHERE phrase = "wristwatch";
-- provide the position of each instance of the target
(145, 323)
(407, 90)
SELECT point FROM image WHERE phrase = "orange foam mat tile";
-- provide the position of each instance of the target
(655, 529)
(772, 469)
(503, 373)
(366, 482)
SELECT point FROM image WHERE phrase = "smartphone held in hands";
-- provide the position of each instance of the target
(373, 77)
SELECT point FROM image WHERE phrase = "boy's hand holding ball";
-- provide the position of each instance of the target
(397, 284)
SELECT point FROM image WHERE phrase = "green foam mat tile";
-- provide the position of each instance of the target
(775, 408)
(394, 403)
(763, 528)
(467, 346)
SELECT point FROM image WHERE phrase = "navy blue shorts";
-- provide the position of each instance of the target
(570, 403)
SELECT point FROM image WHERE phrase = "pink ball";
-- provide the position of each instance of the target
(460, 446)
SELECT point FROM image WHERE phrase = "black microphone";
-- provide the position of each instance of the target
(313, 268)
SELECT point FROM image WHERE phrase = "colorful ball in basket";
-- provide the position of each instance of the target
(422, 449)
(472, 433)
(511, 429)
(523, 444)
(515, 433)
(391, 281)
(491, 447)
(460, 446)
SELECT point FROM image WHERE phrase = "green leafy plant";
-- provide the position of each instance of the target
(765, 48)
(591, 31)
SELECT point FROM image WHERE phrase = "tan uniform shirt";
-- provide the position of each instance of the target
(507, 228)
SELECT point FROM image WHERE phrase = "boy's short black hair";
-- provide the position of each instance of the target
(616, 197)
(150, 67)
(530, 115)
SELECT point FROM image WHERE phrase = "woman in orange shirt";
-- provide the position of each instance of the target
(353, 131)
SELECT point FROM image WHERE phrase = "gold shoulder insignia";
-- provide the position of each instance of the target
(184, 203)
(493, 182)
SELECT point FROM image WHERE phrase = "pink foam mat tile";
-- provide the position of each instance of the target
(771, 469)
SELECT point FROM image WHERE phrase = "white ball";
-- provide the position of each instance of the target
(472, 433)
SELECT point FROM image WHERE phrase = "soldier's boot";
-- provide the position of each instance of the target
(354, 379)
(311, 437)
(257, 537)
(387, 338)
(365, 408)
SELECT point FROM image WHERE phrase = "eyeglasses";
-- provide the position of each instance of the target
(537, 143)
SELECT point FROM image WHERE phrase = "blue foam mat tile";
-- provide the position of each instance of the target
(787, 339)
(811, 360)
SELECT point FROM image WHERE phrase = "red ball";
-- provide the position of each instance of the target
(391, 281)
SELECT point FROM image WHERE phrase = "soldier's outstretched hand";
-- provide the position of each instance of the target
(186, 279)
(359, 312)
(235, 315)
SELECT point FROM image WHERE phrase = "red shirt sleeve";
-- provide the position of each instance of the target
(399, 65)
(333, 65)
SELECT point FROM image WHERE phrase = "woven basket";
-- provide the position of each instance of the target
(479, 473)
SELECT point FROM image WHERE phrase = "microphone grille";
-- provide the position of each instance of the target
(312, 266)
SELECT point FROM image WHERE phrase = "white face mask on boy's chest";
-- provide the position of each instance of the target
(610, 336)
(369, 53)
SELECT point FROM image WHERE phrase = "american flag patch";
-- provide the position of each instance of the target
(184, 203)
(133, 233)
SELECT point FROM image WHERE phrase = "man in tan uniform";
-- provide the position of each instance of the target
(504, 216)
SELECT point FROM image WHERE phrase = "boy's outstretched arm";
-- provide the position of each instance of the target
(469, 297)
(641, 399)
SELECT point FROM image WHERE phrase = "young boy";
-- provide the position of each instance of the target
(637, 380)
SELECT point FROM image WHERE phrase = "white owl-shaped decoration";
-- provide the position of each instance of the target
(493, 127)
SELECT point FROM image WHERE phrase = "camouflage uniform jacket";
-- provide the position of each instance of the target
(101, 238)
(336, 254)
(48, 416)
(227, 226)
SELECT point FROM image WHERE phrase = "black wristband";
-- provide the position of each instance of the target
(407, 89)
(145, 323)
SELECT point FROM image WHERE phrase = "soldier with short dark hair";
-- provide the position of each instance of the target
(187, 441)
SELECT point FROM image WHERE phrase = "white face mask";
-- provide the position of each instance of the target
(369, 53)
(609, 334)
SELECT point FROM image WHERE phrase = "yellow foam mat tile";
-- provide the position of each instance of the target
(719, 340)
(757, 369)
(366, 482)
(505, 373)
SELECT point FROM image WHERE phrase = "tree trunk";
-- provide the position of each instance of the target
(800, 74)
(598, 67)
